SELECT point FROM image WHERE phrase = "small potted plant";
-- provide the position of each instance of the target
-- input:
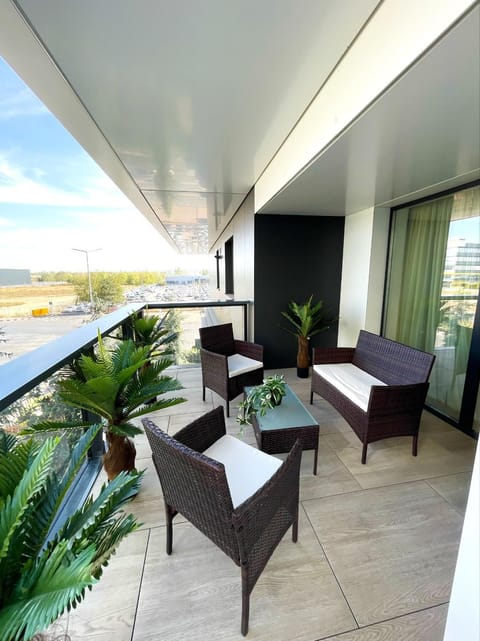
(261, 398)
(307, 319)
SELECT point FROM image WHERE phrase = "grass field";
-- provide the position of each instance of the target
(20, 300)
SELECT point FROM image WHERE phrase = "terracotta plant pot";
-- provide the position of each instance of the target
(303, 357)
(120, 456)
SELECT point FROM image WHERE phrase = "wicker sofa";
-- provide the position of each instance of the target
(379, 386)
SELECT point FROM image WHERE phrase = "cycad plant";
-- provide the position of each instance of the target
(307, 319)
(43, 573)
(151, 331)
(117, 384)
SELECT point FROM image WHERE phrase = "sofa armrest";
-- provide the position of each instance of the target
(324, 355)
(252, 350)
(396, 399)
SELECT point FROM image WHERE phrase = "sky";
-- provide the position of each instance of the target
(54, 197)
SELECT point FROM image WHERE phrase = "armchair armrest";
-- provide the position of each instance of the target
(279, 493)
(252, 350)
(213, 360)
(325, 355)
(204, 431)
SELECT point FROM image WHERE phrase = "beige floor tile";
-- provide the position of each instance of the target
(332, 475)
(190, 376)
(148, 506)
(393, 549)
(440, 452)
(194, 403)
(427, 625)
(195, 594)
(177, 422)
(454, 489)
(108, 611)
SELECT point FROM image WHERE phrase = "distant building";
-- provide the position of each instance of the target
(185, 279)
(462, 263)
(15, 277)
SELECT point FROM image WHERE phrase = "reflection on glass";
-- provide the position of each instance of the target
(433, 286)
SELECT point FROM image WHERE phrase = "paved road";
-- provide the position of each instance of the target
(25, 334)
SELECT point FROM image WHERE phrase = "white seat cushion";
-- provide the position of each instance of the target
(246, 468)
(238, 364)
(350, 380)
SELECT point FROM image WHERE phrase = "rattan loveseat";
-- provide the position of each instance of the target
(392, 400)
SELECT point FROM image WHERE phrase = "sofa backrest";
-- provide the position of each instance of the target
(391, 362)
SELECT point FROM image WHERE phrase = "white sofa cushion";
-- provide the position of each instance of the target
(350, 380)
(238, 364)
(246, 468)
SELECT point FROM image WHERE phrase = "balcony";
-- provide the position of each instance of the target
(375, 557)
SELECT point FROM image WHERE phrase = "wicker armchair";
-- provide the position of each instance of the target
(228, 365)
(214, 496)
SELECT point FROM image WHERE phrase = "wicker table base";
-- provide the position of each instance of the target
(277, 431)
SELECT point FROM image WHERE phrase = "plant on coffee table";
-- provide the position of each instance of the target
(261, 398)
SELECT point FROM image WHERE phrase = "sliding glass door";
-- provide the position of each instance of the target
(433, 294)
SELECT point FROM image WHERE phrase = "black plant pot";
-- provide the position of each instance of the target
(302, 372)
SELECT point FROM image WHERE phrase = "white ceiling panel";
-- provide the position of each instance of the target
(420, 137)
(184, 104)
(194, 96)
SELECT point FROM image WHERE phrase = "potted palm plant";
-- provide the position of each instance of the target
(45, 569)
(261, 398)
(307, 320)
(151, 331)
(117, 385)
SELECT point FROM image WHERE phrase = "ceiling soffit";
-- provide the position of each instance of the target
(193, 98)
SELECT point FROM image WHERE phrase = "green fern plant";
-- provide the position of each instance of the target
(43, 573)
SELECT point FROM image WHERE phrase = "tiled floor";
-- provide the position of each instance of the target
(374, 560)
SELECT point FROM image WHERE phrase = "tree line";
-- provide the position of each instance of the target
(122, 278)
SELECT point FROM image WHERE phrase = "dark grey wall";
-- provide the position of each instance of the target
(295, 256)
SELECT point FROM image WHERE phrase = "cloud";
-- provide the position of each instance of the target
(127, 244)
(90, 189)
(19, 104)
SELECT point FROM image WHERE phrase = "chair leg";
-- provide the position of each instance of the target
(228, 409)
(364, 453)
(295, 528)
(311, 398)
(415, 444)
(169, 514)
(203, 398)
(245, 602)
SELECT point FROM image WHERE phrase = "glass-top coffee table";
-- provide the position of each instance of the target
(277, 431)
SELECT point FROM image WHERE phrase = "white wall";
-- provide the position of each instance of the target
(463, 618)
(355, 269)
(363, 274)
(397, 34)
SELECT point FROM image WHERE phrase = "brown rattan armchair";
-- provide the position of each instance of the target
(228, 365)
(217, 501)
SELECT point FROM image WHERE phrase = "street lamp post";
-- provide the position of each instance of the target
(86, 252)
